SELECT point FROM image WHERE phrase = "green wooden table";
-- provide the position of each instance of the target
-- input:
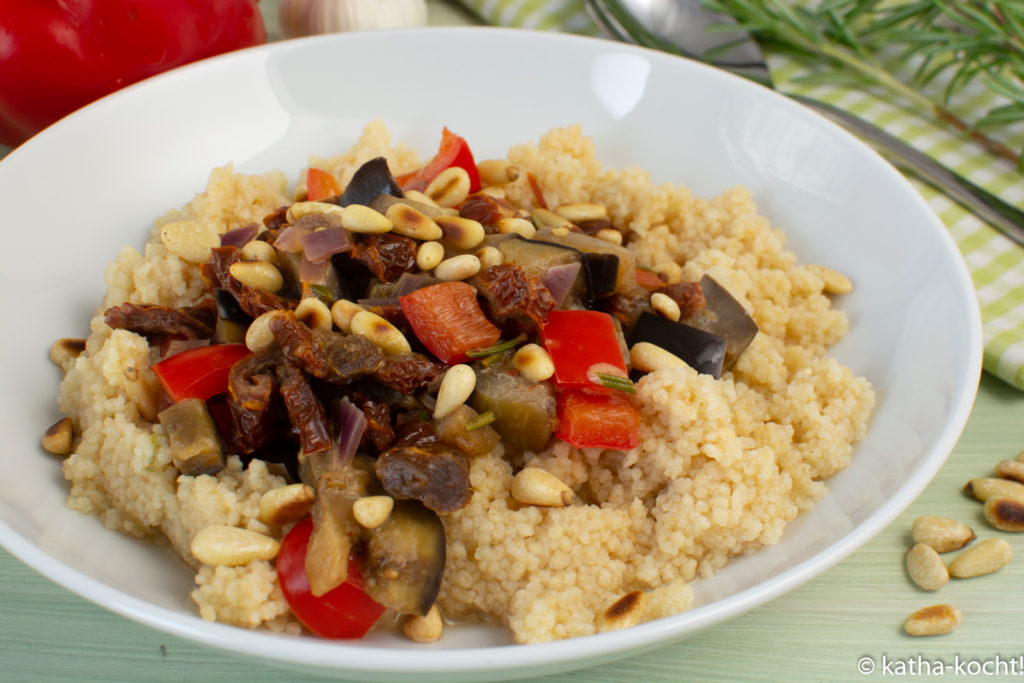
(844, 625)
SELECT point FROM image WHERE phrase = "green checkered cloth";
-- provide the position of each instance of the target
(996, 264)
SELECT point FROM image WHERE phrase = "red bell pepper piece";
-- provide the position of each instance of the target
(58, 56)
(588, 420)
(447, 319)
(581, 344)
(199, 373)
(454, 151)
(320, 185)
(344, 612)
(649, 280)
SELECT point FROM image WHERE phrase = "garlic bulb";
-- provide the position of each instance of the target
(309, 17)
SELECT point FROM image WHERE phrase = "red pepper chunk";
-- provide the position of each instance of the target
(199, 373)
(588, 420)
(320, 185)
(454, 151)
(447, 319)
(343, 612)
(581, 344)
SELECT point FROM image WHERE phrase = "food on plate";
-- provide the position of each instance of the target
(526, 390)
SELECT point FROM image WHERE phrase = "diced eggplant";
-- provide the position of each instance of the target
(537, 258)
(405, 559)
(725, 317)
(290, 263)
(433, 476)
(451, 429)
(625, 271)
(524, 412)
(335, 529)
(702, 351)
(232, 321)
(371, 179)
(195, 446)
(604, 273)
(382, 202)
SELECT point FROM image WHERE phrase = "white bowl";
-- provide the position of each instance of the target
(70, 197)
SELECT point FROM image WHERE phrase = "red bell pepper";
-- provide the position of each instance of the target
(582, 344)
(344, 612)
(454, 151)
(199, 373)
(588, 420)
(447, 319)
(649, 280)
(320, 185)
(57, 56)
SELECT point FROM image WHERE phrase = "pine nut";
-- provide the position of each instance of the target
(143, 388)
(59, 437)
(834, 282)
(544, 218)
(382, 333)
(64, 351)
(1012, 470)
(533, 362)
(429, 254)
(669, 271)
(372, 511)
(450, 187)
(984, 488)
(190, 240)
(981, 558)
(1005, 514)
(258, 250)
(342, 312)
(417, 196)
(456, 386)
(926, 568)
(258, 275)
(423, 629)
(219, 544)
(610, 235)
(314, 313)
(627, 611)
(300, 209)
(364, 220)
(259, 337)
(941, 533)
(461, 234)
(934, 620)
(648, 357)
(516, 226)
(286, 504)
(457, 267)
(665, 306)
(497, 171)
(534, 486)
(410, 222)
(496, 191)
(581, 212)
(489, 257)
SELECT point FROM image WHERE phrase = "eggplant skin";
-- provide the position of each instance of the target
(702, 351)
(371, 179)
(405, 559)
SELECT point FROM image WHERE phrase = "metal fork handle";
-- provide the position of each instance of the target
(1006, 218)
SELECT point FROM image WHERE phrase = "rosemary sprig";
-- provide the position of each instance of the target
(480, 421)
(962, 41)
(497, 348)
(616, 382)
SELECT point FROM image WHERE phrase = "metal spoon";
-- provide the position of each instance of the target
(679, 26)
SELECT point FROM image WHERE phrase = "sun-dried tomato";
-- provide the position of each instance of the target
(304, 410)
(591, 227)
(485, 209)
(436, 478)
(387, 255)
(349, 356)
(276, 218)
(626, 307)
(298, 345)
(514, 295)
(407, 372)
(688, 295)
(151, 319)
(379, 435)
(251, 384)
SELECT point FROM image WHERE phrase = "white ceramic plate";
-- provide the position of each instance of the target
(70, 197)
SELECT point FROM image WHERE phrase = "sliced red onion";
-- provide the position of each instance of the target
(351, 424)
(290, 239)
(313, 272)
(410, 282)
(559, 280)
(322, 244)
(239, 237)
